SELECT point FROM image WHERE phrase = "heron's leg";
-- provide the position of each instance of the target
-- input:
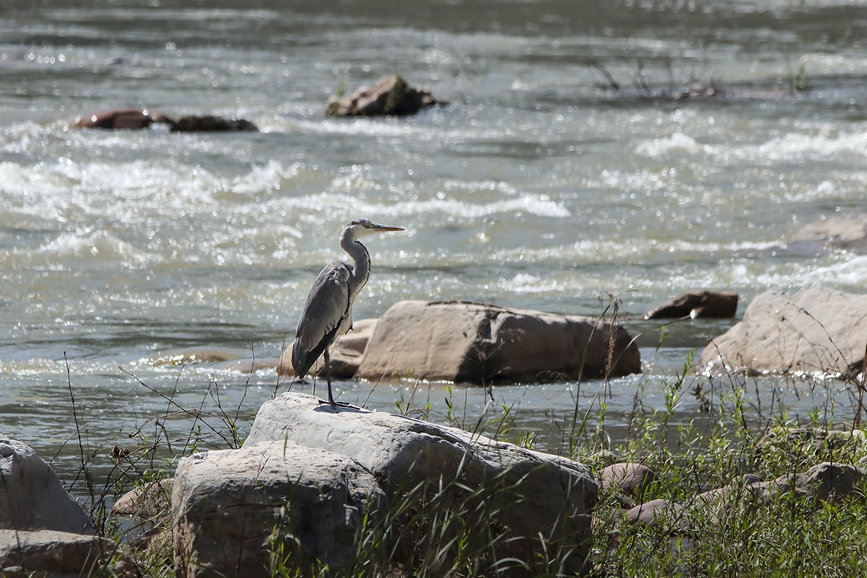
(328, 377)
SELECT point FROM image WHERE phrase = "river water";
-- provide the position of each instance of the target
(563, 172)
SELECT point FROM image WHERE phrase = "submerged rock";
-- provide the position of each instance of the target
(308, 474)
(838, 232)
(211, 123)
(469, 342)
(814, 330)
(391, 95)
(698, 304)
(134, 118)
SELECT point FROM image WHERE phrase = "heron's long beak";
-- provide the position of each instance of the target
(383, 228)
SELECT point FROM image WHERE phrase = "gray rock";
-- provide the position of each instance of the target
(469, 342)
(698, 304)
(31, 496)
(536, 493)
(824, 482)
(814, 330)
(50, 552)
(229, 506)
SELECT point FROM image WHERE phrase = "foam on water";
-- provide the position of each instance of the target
(536, 187)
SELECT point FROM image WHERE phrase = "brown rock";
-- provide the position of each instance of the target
(391, 95)
(128, 118)
(346, 354)
(211, 123)
(655, 512)
(698, 304)
(628, 478)
(145, 501)
(814, 330)
(469, 342)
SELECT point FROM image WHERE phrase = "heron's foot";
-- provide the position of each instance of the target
(336, 404)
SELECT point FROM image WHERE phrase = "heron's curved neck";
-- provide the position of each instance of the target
(359, 254)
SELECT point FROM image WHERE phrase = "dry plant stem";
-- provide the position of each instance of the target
(195, 414)
(84, 461)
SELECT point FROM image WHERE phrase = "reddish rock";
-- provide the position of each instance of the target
(127, 118)
(210, 123)
(706, 304)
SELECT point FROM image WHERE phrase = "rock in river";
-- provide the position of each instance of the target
(838, 232)
(705, 304)
(391, 95)
(814, 330)
(473, 343)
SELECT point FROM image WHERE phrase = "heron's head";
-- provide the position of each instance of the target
(363, 227)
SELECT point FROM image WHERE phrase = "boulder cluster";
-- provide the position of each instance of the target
(136, 118)
(634, 487)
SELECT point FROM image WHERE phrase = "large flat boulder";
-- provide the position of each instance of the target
(469, 342)
(814, 330)
(232, 507)
(534, 494)
(310, 477)
(31, 496)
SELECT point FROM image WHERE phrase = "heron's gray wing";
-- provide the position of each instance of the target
(326, 306)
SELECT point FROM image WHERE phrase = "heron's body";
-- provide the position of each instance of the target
(327, 313)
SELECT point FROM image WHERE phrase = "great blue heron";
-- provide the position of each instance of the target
(327, 314)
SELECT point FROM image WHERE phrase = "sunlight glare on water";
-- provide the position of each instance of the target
(563, 171)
